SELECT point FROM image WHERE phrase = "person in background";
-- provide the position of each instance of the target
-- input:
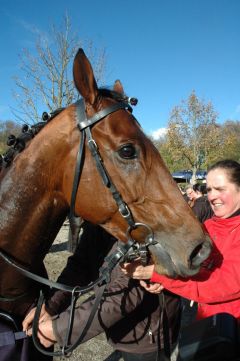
(128, 315)
(184, 194)
(217, 286)
(199, 202)
(201, 208)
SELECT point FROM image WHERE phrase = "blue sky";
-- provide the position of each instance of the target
(160, 49)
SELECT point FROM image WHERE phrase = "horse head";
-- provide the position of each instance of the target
(140, 175)
(36, 188)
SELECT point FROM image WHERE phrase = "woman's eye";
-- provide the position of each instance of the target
(127, 151)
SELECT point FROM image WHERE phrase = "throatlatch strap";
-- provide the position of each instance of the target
(165, 327)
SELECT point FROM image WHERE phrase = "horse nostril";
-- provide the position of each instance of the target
(200, 254)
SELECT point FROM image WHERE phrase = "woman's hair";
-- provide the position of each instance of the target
(231, 167)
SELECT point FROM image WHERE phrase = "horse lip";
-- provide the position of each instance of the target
(187, 272)
(164, 259)
(202, 254)
(173, 270)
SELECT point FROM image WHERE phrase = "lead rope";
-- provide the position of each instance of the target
(67, 348)
(103, 280)
(165, 327)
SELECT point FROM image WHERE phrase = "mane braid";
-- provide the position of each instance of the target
(18, 144)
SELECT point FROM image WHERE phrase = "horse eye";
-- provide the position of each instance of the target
(127, 151)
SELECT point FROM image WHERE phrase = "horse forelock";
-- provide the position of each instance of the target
(107, 93)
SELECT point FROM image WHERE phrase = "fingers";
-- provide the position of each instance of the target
(45, 330)
(29, 331)
(45, 333)
(44, 315)
(28, 319)
(27, 322)
(137, 271)
(155, 288)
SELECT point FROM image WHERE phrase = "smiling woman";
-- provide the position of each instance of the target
(223, 185)
(216, 287)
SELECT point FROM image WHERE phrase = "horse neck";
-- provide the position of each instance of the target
(32, 210)
(33, 206)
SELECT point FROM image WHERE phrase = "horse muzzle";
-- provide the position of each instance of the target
(167, 264)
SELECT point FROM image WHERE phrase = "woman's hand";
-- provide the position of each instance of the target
(45, 329)
(45, 333)
(137, 271)
(155, 288)
(28, 320)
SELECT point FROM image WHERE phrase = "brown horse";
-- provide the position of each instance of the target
(36, 189)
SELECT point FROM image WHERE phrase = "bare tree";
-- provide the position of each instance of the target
(46, 81)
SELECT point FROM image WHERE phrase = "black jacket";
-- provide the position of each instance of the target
(202, 209)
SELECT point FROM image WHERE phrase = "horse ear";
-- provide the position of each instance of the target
(84, 78)
(118, 87)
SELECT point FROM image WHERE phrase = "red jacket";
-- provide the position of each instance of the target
(217, 286)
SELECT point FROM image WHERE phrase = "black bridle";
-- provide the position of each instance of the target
(84, 125)
(129, 250)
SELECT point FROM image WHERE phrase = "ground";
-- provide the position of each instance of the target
(96, 349)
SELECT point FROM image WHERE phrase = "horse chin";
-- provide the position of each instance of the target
(164, 265)
(187, 272)
(163, 262)
(165, 272)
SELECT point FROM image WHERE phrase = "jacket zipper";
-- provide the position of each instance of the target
(151, 337)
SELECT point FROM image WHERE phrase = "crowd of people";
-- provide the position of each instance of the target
(199, 202)
(130, 313)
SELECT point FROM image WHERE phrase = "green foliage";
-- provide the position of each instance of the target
(195, 140)
(231, 144)
(192, 132)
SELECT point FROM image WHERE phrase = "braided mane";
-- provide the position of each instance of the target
(18, 143)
